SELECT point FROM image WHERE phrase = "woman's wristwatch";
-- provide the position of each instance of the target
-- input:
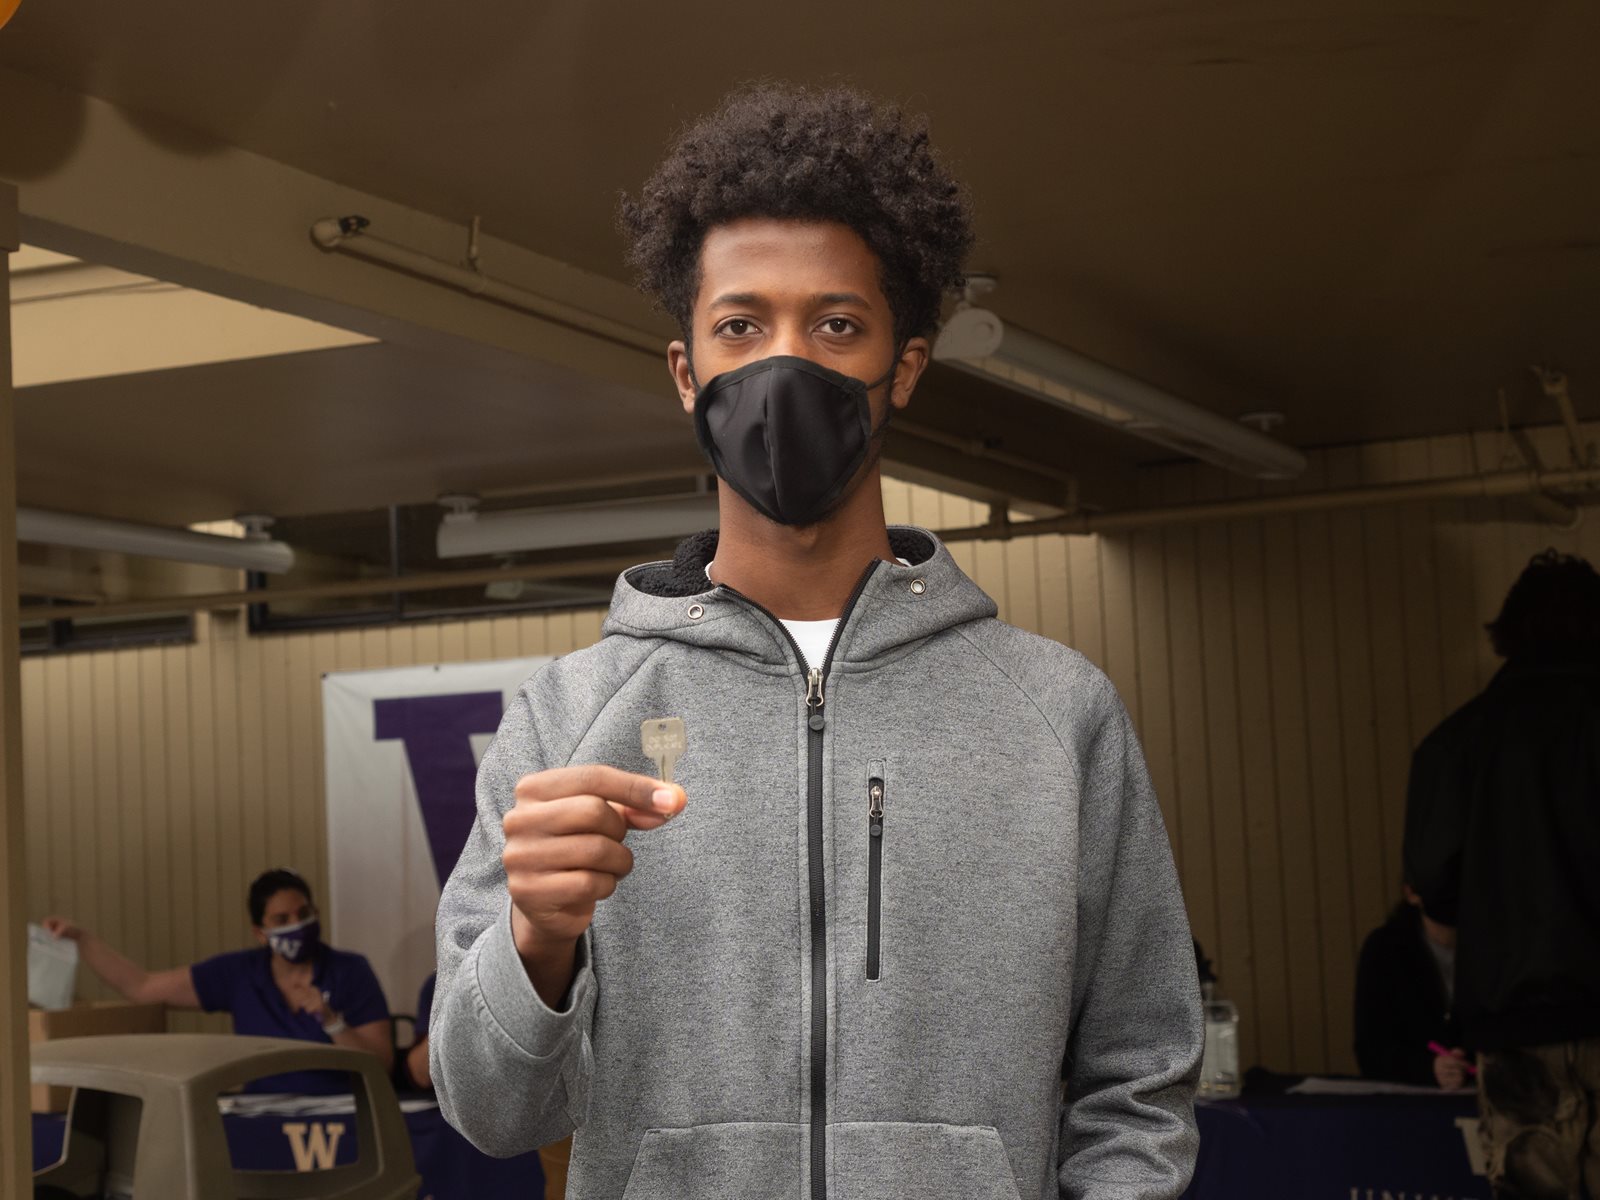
(334, 1026)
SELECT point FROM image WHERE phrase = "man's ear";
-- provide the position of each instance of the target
(682, 374)
(912, 363)
(260, 934)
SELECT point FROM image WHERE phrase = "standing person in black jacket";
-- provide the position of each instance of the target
(1405, 999)
(1503, 840)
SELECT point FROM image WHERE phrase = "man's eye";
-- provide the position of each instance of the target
(738, 327)
(839, 325)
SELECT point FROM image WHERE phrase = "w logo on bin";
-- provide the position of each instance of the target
(315, 1145)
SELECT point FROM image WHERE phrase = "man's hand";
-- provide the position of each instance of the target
(62, 927)
(564, 854)
(1451, 1069)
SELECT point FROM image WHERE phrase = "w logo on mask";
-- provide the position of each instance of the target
(289, 947)
(296, 942)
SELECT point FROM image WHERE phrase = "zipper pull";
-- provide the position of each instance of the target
(875, 801)
(814, 689)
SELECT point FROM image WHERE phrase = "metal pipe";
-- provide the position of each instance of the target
(348, 234)
(152, 541)
(976, 448)
(342, 588)
(1508, 483)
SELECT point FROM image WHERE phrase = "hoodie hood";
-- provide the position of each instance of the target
(899, 604)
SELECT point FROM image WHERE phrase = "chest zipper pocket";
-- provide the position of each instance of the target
(875, 796)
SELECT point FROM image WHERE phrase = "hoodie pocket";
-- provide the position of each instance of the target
(737, 1160)
(876, 794)
(891, 1160)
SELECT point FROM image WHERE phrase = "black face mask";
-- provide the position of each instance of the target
(787, 434)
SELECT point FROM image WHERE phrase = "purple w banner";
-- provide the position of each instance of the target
(437, 734)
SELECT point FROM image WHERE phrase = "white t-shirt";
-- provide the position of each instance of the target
(813, 637)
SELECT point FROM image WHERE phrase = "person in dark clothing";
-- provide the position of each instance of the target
(1503, 840)
(1405, 986)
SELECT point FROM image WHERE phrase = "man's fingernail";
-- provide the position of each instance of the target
(665, 799)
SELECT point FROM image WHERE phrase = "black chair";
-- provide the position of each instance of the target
(398, 1075)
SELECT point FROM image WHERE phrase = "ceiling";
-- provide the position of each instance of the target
(323, 431)
(1365, 215)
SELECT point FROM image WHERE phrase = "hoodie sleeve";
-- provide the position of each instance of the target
(511, 1073)
(1133, 1055)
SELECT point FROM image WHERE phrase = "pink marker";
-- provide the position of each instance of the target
(1446, 1052)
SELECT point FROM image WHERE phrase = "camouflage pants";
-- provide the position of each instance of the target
(1540, 1108)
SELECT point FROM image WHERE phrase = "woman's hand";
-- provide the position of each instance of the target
(306, 998)
(62, 927)
(1451, 1069)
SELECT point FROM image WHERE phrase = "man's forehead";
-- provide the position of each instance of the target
(765, 257)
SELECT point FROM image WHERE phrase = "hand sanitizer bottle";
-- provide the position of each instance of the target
(1219, 1069)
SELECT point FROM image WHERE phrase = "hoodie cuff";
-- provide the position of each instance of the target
(509, 998)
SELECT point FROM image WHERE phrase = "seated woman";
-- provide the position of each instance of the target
(292, 985)
(1405, 987)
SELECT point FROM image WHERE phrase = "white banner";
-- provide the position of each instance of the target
(402, 748)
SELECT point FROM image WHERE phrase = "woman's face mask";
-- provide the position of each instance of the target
(298, 942)
(787, 434)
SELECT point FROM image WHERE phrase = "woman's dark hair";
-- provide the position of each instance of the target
(268, 884)
(834, 154)
(1553, 605)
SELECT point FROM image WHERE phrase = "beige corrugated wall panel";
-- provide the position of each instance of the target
(1279, 670)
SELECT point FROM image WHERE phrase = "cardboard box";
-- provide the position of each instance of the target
(87, 1020)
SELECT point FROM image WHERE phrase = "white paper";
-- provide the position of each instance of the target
(1317, 1086)
(285, 1104)
(52, 969)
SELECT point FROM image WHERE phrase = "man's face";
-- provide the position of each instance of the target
(804, 288)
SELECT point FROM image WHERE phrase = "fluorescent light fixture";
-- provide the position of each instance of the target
(153, 541)
(977, 341)
(465, 534)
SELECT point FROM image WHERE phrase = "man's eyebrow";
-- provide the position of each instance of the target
(752, 299)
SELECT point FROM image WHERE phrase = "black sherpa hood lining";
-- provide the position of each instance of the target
(685, 575)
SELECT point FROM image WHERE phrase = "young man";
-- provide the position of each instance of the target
(1502, 839)
(914, 876)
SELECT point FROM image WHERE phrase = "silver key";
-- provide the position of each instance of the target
(663, 741)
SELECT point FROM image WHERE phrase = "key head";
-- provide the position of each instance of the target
(661, 736)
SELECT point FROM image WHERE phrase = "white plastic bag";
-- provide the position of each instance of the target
(52, 969)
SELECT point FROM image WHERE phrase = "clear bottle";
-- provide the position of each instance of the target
(1219, 1069)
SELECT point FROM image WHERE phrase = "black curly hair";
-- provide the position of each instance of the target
(268, 884)
(1554, 606)
(832, 154)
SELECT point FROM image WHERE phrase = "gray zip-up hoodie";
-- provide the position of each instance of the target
(914, 892)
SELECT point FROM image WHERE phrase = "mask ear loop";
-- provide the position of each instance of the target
(894, 369)
(688, 358)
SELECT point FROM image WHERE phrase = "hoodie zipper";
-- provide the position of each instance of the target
(874, 871)
(816, 725)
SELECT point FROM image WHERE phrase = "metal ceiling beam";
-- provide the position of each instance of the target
(1555, 487)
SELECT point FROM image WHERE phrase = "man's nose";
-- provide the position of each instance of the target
(790, 338)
